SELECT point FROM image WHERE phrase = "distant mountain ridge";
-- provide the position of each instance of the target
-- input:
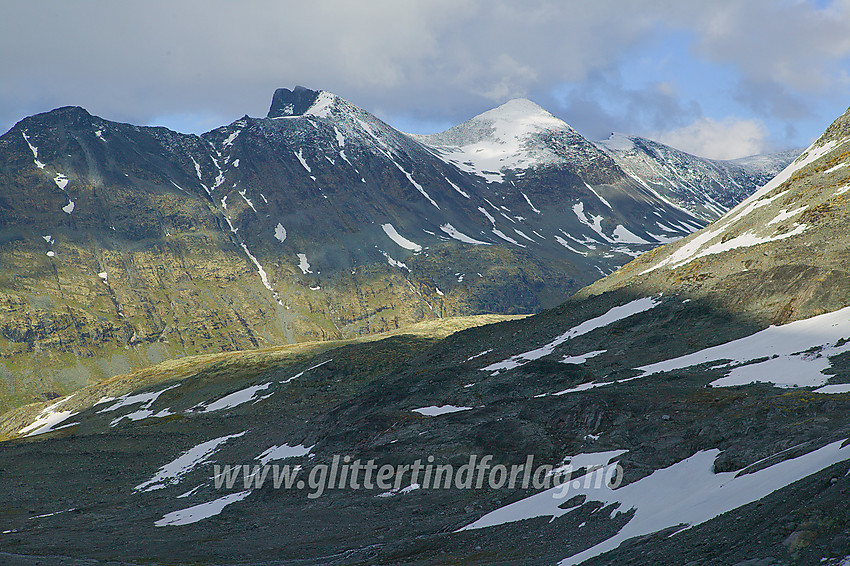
(706, 187)
(128, 245)
(779, 256)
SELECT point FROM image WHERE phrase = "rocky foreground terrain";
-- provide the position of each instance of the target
(123, 246)
(715, 371)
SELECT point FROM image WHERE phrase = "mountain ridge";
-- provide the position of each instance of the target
(786, 214)
(128, 245)
(722, 412)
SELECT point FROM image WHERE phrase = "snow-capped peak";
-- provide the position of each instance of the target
(509, 123)
(499, 139)
(521, 115)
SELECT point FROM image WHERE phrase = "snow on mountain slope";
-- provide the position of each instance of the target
(706, 187)
(791, 355)
(318, 221)
(506, 137)
(778, 255)
(678, 497)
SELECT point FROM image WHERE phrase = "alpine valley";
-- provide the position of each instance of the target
(125, 246)
(712, 373)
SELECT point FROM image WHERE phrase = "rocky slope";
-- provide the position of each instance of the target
(705, 187)
(725, 408)
(777, 257)
(123, 246)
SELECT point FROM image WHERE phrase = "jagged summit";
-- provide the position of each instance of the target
(705, 187)
(293, 102)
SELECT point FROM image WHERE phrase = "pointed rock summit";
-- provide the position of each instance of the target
(293, 102)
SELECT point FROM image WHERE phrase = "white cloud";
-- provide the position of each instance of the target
(793, 44)
(729, 138)
(449, 58)
(431, 60)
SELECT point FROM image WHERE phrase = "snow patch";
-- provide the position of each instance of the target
(34, 150)
(456, 188)
(683, 495)
(580, 359)
(567, 245)
(393, 262)
(172, 472)
(299, 374)
(478, 355)
(415, 184)
(460, 236)
(592, 190)
(61, 181)
(47, 419)
(321, 107)
(283, 452)
(301, 159)
(435, 411)
(262, 272)
(132, 399)
(786, 214)
(594, 222)
(796, 354)
(247, 395)
(623, 236)
(246, 199)
(525, 196)
(201, 511)
(507, 238)
(303, 264)
(231, 138)
(390, 231)
(487, 214)
(613, 315)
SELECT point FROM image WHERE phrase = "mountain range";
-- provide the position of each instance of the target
(123, 246)
(710, 376)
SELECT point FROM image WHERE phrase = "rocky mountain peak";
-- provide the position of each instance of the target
(293, 102)
(63, 115)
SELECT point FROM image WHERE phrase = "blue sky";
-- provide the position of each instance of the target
(719, 78)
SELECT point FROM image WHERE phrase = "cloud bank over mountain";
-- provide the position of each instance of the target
(641, 67)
